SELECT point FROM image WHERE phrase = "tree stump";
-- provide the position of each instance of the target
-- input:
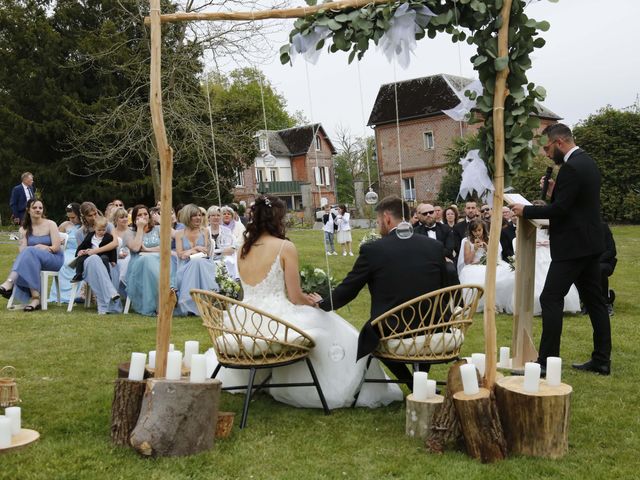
(445, 427)
(480, 425)
(177, 417)
(419, 415)
(534, 424)
(127, 400)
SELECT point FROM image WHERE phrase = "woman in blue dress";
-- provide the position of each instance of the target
(198, 272)
(103, 282)
(40, 250)
(66, 273)
(144, 267)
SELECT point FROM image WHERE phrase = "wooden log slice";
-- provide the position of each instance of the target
(534, 424)
(177, 417)
(480, 425)
(419, 415)
(127, 400)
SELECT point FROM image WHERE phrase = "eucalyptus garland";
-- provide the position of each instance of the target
(474, 21)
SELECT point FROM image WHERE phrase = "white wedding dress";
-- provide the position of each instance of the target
(474, 273)
(333, 357)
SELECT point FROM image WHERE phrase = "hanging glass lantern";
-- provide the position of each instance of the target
(371, 197)
(404, 230)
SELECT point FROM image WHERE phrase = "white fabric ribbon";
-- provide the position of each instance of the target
(463, 109)
(475, 178)
(400, 39)
(306, 44)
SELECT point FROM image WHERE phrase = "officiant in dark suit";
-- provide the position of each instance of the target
(20, 195)
(395, 270)
(576, 242)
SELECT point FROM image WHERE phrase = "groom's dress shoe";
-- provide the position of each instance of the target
(591, 366)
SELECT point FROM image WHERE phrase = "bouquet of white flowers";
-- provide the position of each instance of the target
(370, 236)
(316, 280)
(227, 286)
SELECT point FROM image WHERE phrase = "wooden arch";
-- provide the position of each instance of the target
(165, 153)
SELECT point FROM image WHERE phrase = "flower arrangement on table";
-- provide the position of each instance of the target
(227, 286)
(370, 236)
(316, 280)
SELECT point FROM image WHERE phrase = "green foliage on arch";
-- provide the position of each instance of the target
(474, 21)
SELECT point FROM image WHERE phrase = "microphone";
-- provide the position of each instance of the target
(545, 183)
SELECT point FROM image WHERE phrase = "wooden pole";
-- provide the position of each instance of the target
(166, 300)
(498, 198)
(297, 12)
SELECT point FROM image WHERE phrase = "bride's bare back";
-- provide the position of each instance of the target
(255, 266)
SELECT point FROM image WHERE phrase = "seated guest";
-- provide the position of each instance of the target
(121, 230)
(99, 243)
(451, 217)
(439, 214)
(460, 230)
(508, 233)
(144, 267)
(66, 273)
(102, 280)
(39, 250)
(192, 272)
(236, 227)
(438, 231)
(472, 266)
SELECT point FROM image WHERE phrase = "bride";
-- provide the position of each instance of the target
(268, 268)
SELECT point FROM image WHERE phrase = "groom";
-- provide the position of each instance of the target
(395, 270)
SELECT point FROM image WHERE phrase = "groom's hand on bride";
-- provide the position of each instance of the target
(314, 298)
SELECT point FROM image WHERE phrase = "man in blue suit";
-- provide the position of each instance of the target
(20, 195)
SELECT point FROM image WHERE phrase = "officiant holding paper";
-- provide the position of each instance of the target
(576, 242)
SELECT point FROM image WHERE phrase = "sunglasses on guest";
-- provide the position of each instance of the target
(430, 212)
(485, 210)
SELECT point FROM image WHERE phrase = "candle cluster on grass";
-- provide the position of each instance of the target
(10, 425)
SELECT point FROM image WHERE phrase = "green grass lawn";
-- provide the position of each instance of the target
(66, 364)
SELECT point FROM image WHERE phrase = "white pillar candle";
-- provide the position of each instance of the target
(172, 347)
(198, 368)
(174, 365)
(431, 388)
(469, 379)
(531, 377)
(191, 347)
(554, 371)
(14, 414)
(479, 359)
(505, 353)
(136, 366)
(212, 361)
(420, 386)
(152, 359)
(5, 432)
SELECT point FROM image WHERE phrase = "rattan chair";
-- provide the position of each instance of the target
(245, 337)
(429, 329)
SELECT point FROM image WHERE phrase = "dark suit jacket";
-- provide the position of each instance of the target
(507, 234)
(395, 271)
(18, 201)
(107, 239)
(444, 235)
(459, 231)
(575, 226)
(609, 254)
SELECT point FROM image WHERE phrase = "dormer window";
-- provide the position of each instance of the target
(318, 143)
(262, 139)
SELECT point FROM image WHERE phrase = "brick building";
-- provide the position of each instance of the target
(288, 159)
(426, 133)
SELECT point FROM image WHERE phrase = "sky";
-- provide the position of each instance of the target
(590, 60)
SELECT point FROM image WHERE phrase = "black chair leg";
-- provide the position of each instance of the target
(215, 372)
(362, 380)
(318, 387)
(247, 398)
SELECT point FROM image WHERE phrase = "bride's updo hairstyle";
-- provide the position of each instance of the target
(267, 216)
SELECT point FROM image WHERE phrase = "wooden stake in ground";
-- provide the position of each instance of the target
(127, 400)
(177, 418)
(498, 197)
(534, 424)
(166, 300)
(481, 426)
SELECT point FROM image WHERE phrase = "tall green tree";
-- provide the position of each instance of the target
(355, 154)
(612, 138)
